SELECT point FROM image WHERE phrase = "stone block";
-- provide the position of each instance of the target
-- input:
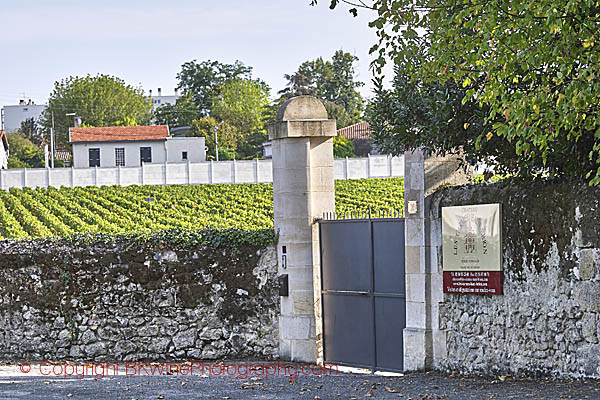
(437, 288)
(414, 257)
(415, 288)
(303, 302)
(285, 130)
(589, 260)
(321, 153)
(414, 231)
(302, 108)
(296, 152)
(297, 230)
(304, 351)
(291, 180)
(432, 259)
(586, 295)
(300, 279)
(285, 349)
(295, 326)
(286, 305)
(415, 349)
(322, 179)
(416, 315)
(414, 156)
(433, 232)
(414, 175)
(292, 205)
(440, 350)
(184, 339)
(589, 329)
(323, 128)
(321, 202)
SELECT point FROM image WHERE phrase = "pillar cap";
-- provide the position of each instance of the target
(302, 116)
(302, 108)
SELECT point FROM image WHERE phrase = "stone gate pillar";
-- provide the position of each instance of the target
(424, 342)
(303, 188)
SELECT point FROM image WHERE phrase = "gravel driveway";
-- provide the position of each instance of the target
(41, 382)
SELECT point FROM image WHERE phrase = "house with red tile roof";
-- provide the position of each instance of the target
(360, 130)
(129, 146)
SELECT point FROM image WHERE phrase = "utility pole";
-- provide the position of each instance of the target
(216, 144)
(52, 143)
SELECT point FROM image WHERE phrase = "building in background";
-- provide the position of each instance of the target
(129, 146)
(160, 100)
(13, 116)
(268, 150)
(360, 135)
(3, 150)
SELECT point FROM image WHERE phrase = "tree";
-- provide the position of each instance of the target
(228, 93)
(531, 66)
(342, 147)
(100, 100)
(23, 153)
(31, 130)
(432, 116)
(203, 81)
(182, 113)
(331, 81)
(339, 113)
(242, 103)
(227, 137)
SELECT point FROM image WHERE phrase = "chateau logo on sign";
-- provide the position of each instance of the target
(472, 249)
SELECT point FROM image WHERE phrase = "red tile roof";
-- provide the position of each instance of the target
(360, 130)
(118, 133)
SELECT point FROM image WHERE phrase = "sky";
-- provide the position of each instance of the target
(145, 42)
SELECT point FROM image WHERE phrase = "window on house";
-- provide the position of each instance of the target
(120, 157)
(184, 155)
(145, 154)
(94, 155)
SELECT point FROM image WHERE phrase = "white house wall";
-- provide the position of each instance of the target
(107, 153)
(194, 146)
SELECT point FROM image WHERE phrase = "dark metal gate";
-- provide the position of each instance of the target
(363, 292)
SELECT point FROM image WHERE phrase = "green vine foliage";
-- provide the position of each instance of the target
(207, 214)
(532, 68)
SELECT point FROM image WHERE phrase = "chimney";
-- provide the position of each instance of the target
(21, 102)
(176, 92)
(159, 90)
(77, 121)
(150, 92)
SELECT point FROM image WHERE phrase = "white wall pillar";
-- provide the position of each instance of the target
(303, 188)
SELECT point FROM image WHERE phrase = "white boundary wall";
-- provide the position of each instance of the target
(252, 171)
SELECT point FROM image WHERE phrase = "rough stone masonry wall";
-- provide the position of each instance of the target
(548, 320)
(117, 299)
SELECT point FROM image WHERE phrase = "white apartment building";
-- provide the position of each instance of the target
(12, 116)
(160, 100)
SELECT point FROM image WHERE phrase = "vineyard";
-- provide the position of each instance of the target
(116, 209)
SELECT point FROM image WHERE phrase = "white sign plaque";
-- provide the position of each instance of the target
(472, 249)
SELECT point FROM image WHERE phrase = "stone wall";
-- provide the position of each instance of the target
(548, 320)
(125, 299)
